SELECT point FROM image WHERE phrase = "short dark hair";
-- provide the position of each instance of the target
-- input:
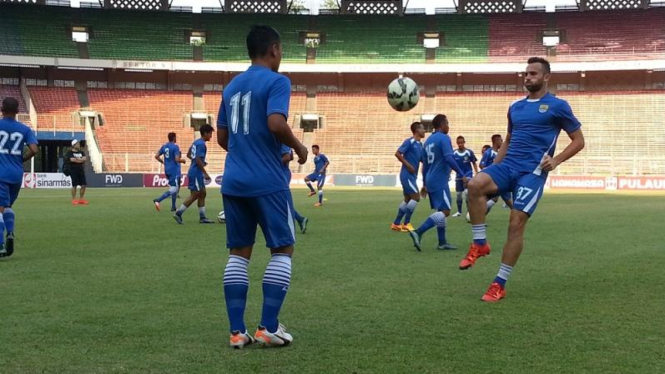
(542, 61)
(9, 105)
(316, 146)
(496, 136)
(171, 136)
(439, 120)
(260, 39)
(205, 129)
(486, 146)
(414, 126)
(461, 137)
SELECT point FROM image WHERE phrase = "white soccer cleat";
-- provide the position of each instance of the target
(239, 340)
(457, 214)
(279, 338)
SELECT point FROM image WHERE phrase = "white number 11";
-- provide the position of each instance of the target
(236, 104)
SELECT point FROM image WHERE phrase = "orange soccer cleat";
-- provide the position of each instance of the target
(318, 205)
(395, 227)
(475, 252)
(495, 293)
(311, 193)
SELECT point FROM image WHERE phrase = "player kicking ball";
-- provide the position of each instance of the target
(252, 128)
(321, 163)
(436, 174)
(521, 167)
(197, 175)
(410, 154)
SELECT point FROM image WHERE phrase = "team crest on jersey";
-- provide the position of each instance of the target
(543, 108)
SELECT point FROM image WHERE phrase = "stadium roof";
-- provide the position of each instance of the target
(315, 5)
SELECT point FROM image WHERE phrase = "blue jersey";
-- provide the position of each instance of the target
(412, 150)
(488, 158)
(286, 150)
(534, 126)
(437, 172)
(465, 160)
(13, 137)
(198, 149)
(319, 162)
(254, 162)
(171, 151)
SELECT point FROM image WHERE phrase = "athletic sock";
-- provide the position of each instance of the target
(460, 199)
(479, 234)
(163, 197)
(503, 275)
(276, 282)
(236, 285)
(410, 208)
(490, 204)
(321, 197)
(401, 211)
(202, 212)
(9, 218)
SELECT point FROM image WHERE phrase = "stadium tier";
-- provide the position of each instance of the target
(15, 92)
(54, 107)
(134, 35)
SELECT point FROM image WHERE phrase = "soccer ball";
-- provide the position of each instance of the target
(468, 217)
(403, 94)
(221, 217)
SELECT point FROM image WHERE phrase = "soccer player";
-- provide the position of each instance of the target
(252, 128)
(436, 174)
(197, 175)
(321, 163)
(410, 154)
(13, 138)
(287, 157)
(488, 158)
(465, 159)
(169, 155)
(521, 167)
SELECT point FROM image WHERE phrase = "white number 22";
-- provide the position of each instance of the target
(16, 137)
(236, 105)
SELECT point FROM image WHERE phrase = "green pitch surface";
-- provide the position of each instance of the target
(116, 287)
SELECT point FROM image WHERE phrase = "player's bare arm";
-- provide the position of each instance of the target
(158, 157)
(201, 165)
(323, 169)
(223, 138)
(575, 146)
(404, 162)
(33, 149)
(179, 160)
(278, 127)
(475, 167)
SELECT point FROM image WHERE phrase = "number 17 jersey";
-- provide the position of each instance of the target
(254, 162)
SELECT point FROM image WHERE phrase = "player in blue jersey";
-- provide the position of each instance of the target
(198, 176)
(410, 154)
(287, 157)
(489, 156)
(252, 127)
(465, 159)
(169, 155)
(521, 167)
(14, 136)
(436, 174)
(321, 163)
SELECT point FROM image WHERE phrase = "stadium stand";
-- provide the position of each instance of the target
(513, 35)
(467, 38)
(226, 35)
(354, 39)
(37, 31)
(126, 35)
(54, 107)
(15, 92)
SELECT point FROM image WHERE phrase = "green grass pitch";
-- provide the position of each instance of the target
(116, 287)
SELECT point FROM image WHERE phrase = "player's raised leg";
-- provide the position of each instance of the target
(479, 187)
(308, 182)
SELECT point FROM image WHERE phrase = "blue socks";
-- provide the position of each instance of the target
(9, 219)
(163, 197)
(410, 208)
(401, 211)
(460, 195)
(479, 234)
(321, 197)
(236, 285)
(276, 281)
(503, 275)
(437, 219)
(174, 196)
(2, 230)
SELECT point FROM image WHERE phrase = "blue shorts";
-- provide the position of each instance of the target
(459, 185)
(271, 212)
(9, 193)
(174, 180)
(409, 184)
(507, 196)
(527, 188)
(440, 200)
(321, 178)
(196, 182)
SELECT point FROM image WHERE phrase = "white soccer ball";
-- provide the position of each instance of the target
(221, 217)
(468, 217)
(403, 94)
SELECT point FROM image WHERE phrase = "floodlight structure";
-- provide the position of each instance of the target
(587, 5)
(490, 6)
(137, 4)
(256, 6)
(373, 7)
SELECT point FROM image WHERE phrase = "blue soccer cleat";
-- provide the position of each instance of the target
(205, 220)
(303, 225)
(416, 239)
(178, 218)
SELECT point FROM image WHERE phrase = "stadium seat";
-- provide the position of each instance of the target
(54, 107)
(15, 92)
